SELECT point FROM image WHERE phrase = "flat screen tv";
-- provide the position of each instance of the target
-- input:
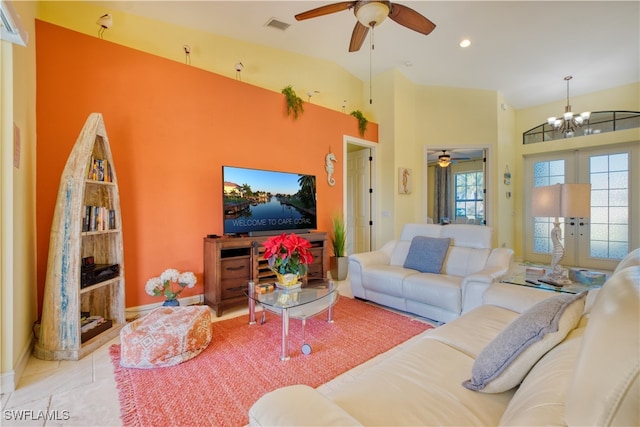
(263, 202)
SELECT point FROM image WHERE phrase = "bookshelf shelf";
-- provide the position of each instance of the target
(100, 285)
(95, 233)
(86, 223)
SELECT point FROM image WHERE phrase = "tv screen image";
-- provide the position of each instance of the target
(262, 202)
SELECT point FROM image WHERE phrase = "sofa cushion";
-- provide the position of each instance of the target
(304, 404)
(506, 360)
(409, 231)
(417, 386)
(463, 261)
(426, 254)
(399, 253)
(540, 398)
(472, 332)
(439, 290)
(386, 279)
(468, 235)
(605, 387)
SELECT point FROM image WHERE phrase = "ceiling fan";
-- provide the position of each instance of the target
(371, 13)
(445, 159)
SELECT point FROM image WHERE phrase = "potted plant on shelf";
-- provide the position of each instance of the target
(362, 121)
(295, 104)
(339, 263)
(170, 284)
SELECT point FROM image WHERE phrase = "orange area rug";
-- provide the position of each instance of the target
(243, 362)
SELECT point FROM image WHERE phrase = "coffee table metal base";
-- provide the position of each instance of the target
(285, 315)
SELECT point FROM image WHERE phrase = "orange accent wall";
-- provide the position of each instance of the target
(171, 127)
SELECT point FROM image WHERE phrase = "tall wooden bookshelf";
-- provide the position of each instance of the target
(86, 223)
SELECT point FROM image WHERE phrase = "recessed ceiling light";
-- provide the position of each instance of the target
(465, 43)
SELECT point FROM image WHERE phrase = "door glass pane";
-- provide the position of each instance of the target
(609, 232)
(546, 173)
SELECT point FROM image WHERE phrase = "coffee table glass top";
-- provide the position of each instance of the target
(310, 299)
(522, 279)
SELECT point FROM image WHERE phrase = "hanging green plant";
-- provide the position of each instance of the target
(294, 102)
(362, 121)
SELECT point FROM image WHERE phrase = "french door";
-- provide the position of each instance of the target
(611, 231)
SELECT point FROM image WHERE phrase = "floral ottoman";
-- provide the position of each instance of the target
(166, 336)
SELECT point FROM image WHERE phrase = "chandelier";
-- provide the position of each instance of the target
(569, 122)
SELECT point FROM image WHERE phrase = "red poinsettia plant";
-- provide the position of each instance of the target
(288, 254)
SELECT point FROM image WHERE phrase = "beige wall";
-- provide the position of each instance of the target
(410, 117)
(621, 98)
(263, 66)
(17, 208)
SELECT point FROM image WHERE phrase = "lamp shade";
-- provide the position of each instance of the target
(562, 200)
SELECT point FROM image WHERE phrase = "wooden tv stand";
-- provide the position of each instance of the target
(231, 262)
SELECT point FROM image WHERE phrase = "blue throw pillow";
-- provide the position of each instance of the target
(506, 360)
(426, 254)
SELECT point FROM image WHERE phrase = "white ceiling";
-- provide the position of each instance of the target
(521, 48)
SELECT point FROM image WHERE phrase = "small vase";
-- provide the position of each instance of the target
(287, 281)
(171, 303)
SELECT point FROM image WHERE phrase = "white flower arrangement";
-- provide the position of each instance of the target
(164, 285)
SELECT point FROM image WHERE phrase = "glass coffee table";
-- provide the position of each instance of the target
(521, 279)
(314, 297)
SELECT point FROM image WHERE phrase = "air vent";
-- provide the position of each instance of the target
(11, 28)
(274, 23)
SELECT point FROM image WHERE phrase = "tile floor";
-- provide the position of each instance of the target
(83, 393)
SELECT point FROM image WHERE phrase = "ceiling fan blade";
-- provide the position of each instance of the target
(325, 10)
(411, 19)
(357, 37)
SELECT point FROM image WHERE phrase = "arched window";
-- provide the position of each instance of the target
(599, 122)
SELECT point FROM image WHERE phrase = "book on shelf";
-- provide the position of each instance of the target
(98, 218)
(99, 170)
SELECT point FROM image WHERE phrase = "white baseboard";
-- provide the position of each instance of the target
(9, 380)
(141, 310)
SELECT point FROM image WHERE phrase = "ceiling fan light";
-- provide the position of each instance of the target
(444, 160)
(372, 14)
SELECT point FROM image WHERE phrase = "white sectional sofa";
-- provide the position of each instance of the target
(469, 267)
(588, 378)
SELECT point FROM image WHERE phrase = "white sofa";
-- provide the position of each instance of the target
(469, 268)
(589, 378)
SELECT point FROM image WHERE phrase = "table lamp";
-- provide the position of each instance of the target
(556, 201)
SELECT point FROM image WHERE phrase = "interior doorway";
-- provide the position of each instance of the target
(464, 198)
(359, 194)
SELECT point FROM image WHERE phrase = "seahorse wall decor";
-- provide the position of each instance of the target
(329, 159)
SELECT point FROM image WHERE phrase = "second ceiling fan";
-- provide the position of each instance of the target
(371, 13)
